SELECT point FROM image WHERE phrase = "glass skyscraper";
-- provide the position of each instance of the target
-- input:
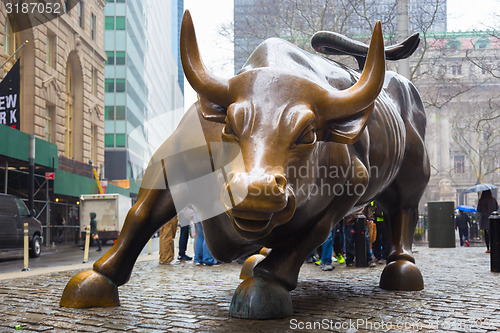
(141, 82)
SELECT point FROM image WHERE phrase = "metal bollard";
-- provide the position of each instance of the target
(360, 241)
(26, 247)
(87, 245)
(495, 241)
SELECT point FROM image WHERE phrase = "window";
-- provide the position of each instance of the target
(80, 13)
(120, 23)
(109, 23)
(92, 26)
(49, 116)
(120, 140)
(10, 41)
(120, 57)
(21, 207)
(109, 112)
(111, 58)
(120, 85)
(462, 197)
(68, 131)
(109, 140)
(456, 69)
(459, 164)
(93, 142)
(93, 81)
(120, 112)
(109, 85)
(50, 50)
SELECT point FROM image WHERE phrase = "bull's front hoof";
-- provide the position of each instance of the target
(90, 289)
(258, 298)
(401, 275)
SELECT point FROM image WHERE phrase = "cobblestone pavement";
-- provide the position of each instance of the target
(460, 295)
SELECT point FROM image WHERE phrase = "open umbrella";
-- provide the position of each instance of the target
(480, 188)
(465, 208)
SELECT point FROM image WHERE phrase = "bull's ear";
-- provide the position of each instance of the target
(211, 111)
(347, 130)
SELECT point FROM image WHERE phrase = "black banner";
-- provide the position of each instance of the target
(9, 98)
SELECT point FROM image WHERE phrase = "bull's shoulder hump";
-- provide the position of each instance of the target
(279, 53)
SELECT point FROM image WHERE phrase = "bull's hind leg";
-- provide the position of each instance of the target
(400, 202)
(99, 287)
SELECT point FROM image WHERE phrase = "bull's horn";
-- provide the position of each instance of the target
(334, 104)
(201, 79)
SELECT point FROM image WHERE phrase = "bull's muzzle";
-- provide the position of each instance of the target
(257, 203)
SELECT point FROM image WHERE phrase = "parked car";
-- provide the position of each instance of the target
(13, 215)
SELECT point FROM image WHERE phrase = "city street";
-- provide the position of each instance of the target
(58, 255)
(460, 295)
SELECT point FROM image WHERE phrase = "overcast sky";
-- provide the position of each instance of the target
(217, 52)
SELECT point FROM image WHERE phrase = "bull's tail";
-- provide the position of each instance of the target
(332, 43)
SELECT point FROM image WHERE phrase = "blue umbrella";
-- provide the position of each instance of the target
(465, 208)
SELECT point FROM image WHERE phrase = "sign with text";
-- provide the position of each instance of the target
(9, 98)
(50, 176)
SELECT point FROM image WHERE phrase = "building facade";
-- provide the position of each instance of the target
(62, 70)
(141, 81)
(459, 81)
(61, 104)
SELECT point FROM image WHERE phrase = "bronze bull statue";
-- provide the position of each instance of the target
(297, 142)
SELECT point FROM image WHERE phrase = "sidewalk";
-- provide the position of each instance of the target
(460, 295)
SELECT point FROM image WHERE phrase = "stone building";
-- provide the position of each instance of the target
(61, 102)
(62, 77)
(459, 82)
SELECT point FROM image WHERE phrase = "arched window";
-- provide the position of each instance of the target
(69, 119)
(11, 40)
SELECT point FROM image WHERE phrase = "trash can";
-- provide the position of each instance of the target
(441, 224)
(495, 241)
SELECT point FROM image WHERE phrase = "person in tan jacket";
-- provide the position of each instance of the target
(167, 236)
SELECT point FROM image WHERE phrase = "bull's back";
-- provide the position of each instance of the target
(398, 114)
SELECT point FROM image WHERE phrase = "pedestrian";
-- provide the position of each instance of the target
(486, 205)
(381, 247)
(167, 236)
(60, 227)
(462, 223)
(332, 243)
(185, 218)
(202, 255)
(94, 233)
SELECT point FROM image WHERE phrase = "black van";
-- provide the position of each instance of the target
(13, 215)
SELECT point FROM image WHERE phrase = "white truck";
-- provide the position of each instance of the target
(111, 210)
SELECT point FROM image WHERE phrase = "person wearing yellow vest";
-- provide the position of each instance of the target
(381, 247)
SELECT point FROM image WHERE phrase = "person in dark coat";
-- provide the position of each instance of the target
(486, 205)
(462, 223)
(94, 233)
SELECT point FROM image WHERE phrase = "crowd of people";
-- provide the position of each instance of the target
(190, 225)
(340, 246)
(372, 246)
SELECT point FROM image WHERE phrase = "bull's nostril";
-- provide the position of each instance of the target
(280, 181)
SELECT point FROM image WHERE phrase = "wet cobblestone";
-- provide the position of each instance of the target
(460, 295)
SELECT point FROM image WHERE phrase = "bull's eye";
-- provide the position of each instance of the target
(308, 136)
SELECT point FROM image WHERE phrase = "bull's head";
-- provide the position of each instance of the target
(276, 118)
